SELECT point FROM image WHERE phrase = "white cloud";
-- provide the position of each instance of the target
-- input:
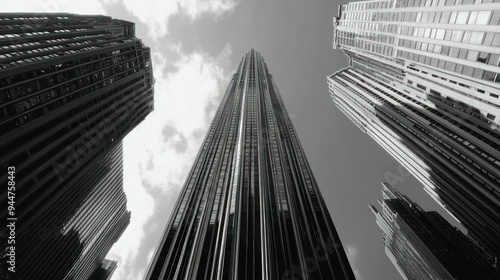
(155, 167)
(156, 13)
(67, 6)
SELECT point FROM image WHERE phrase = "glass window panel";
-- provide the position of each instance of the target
(419, 16)
(488, 76)
(441, 63)
(433, 33)
(437, 48)
(467, 70)
(496, 40)
(425, 16)
(445, 17)
(450, 2)
(454, 52)
(473, 17)
(453, 17)
(476, 38)
(434, 62)
(495, 18)
(432, 15)
(462, 54)
(478, 73)
(445, 50)
(459, 68)
(483, 17)
(472, 55)
(489, 38)
(440, 34)
(413, 16)
(467, 35)
(427, 32)
(483, 57)
(457, 35)
(462, 17)
(450, 66)
(447, 35)
(494, 59)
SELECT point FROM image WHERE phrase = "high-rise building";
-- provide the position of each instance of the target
(71, 87)
(250, 207)
(423, 245)
(424, 82)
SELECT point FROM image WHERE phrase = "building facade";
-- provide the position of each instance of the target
(105, 272)
(423, 82)
(71, 87)
(423, 245)
(250, 207)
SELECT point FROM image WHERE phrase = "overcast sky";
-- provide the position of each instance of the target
(196, 46)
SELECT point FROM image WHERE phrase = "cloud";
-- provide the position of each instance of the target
(157, 18)
(159, 153)
(67, 6)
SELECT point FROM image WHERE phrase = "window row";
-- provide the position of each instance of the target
(446, 17)
(454, 67)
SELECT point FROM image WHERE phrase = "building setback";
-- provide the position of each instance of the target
(423, 245)
(250, 207)
(105, 272)
(424, 83)
(71, 87)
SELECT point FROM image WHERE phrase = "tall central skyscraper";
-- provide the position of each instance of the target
(250, 208)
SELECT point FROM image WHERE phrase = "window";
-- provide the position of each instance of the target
(496, 40)
(476, 38)
(462, 17)
(483, 17)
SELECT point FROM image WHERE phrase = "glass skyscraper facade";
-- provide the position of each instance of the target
(250, 207)
(423, 83)
(71, 87)
(423, 245)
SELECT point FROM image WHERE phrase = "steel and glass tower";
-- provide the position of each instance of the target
(423, 245)
(250, 207)
(424, 82)
(71, 88)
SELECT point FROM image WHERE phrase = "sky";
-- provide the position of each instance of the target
(196, 47)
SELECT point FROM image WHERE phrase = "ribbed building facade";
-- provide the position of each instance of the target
(423, 83)
(71, 87)
(250, 207)
(423, 245)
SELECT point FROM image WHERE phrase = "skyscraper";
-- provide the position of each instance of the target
(105, 271)
(423, 245)
(423, 82)
(71, 87)
(250, 207)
